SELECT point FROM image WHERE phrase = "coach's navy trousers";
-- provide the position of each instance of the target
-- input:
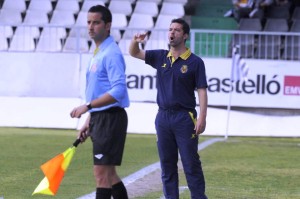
(175, 131)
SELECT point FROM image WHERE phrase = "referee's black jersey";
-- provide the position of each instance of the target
(177, 79)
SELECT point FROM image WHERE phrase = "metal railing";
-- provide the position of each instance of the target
(205, 43)
(253, 44)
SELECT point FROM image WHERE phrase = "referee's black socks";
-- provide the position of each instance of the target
(119, 191)
(103, 193)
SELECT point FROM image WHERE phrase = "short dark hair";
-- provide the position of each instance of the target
(104, 11)
(185, 25)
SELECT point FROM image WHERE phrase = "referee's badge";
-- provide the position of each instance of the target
(184, 68)
(94, 68)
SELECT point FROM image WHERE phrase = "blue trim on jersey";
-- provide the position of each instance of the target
(106, 74)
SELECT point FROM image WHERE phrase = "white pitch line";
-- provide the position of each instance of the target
(181, 189)
(153, 167)
(141, 173)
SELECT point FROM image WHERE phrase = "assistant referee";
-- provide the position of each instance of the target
(107, 96)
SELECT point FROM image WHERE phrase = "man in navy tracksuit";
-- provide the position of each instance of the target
(179, 74)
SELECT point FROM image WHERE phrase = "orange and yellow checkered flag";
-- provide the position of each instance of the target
(54, 171)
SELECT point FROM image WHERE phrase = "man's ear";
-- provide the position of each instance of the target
(185, 36)
(108, 26)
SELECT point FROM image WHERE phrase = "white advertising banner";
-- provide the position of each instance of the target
(141, 80)
(39, 75)
(271, 84)
(40, 90)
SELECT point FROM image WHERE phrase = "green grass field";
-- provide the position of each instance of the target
(240, 168)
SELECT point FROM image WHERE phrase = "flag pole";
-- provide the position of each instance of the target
(228, 113)
(234, 49)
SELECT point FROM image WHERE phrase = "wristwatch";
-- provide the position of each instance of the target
(89, 106)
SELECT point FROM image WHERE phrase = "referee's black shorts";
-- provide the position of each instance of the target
(108, 131)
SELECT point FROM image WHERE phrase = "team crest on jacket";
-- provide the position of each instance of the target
(184, 68)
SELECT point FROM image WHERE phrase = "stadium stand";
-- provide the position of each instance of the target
(292, 43)
(295, 26)
(163, 21)
(131, 1)
(296, 14)
(211, 44)
(49, 43)
(208, 10)
(278, 12)
(269, 46)
(212, 14)
(89, 3)
(253, 24)
(246, 42)
(36, 18)
(67, 18)
(10, 17)
(158, 34)
(6, 31)
(16, 5)
(123, 7)
(79, 32)
(138, 23)
(74, 44)
(158, 2)
(215, 2)
(51, 39)
(116, 33)
(146, 7)
(124, 45)
(38, 5)
(219, 23)
(68, 5)
(79, 29)
(22, 43)
(105, 1)
(183, 2)
(81, 18)
(3, 41)
(62, 18)
(54, 32)
(156, 44)
(27, 31)
(264, 44)
(119, 21)
(176, 9)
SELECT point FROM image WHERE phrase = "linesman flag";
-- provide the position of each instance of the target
(54, 171)
(239, 68)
